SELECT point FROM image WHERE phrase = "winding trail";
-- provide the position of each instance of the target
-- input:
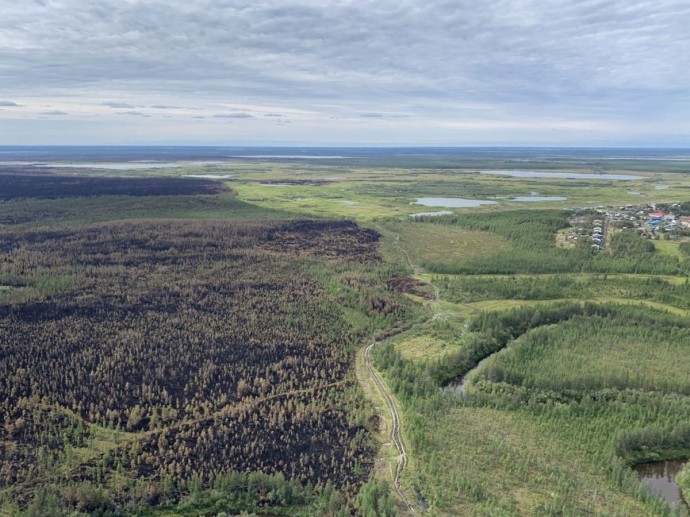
(396, 434)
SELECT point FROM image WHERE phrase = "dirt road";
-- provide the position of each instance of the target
(396, 434)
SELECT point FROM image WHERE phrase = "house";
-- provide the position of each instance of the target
(655, 217)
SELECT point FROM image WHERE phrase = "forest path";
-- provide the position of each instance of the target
(396, 430)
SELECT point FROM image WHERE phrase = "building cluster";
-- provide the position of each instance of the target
(589, 227)
(592, 226)
(648, 219)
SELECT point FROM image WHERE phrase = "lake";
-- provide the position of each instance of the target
(115, 166)
(562, 175)
(432, 214)
(452, 202)
(209, 176)
(539, 198)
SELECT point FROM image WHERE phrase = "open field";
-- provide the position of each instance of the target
(423, 347)
(499, 463)
(434, 243)
(669, 248)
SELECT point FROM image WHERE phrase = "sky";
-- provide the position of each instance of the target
(603, 73)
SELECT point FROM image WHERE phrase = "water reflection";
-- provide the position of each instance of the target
(660, 477)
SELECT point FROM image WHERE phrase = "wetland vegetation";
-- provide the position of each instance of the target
(187, 340)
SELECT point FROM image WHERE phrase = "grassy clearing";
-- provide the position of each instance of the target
(498, 463)
(326, 200)
(423, 347)
(443, 244)
(669, 248)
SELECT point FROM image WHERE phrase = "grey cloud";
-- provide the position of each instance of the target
(382, 115)
(118, 105)
(273, 115)
(233, 115)
(603, 59)
(165, 107)
(8, 104)
(133, 113)
(435, 48)
(54, 112)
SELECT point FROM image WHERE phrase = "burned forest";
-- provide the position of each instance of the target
(173, 354)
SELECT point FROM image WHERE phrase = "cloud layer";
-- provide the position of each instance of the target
(451, 72)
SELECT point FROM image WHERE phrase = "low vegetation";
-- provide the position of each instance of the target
(468, 289)
(432, 243)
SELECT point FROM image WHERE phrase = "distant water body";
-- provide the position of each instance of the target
(534, 199)
(288, 157)
(432, 214)
(116, 166)
(452, 202)
(562, 175)
(461, 158)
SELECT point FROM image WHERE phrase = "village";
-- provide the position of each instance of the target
(592, 226)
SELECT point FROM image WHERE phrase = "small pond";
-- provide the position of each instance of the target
(531, 198)
(660, 478)
(432, 214)
(452, 202)
(562, 175)
(209, 176)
